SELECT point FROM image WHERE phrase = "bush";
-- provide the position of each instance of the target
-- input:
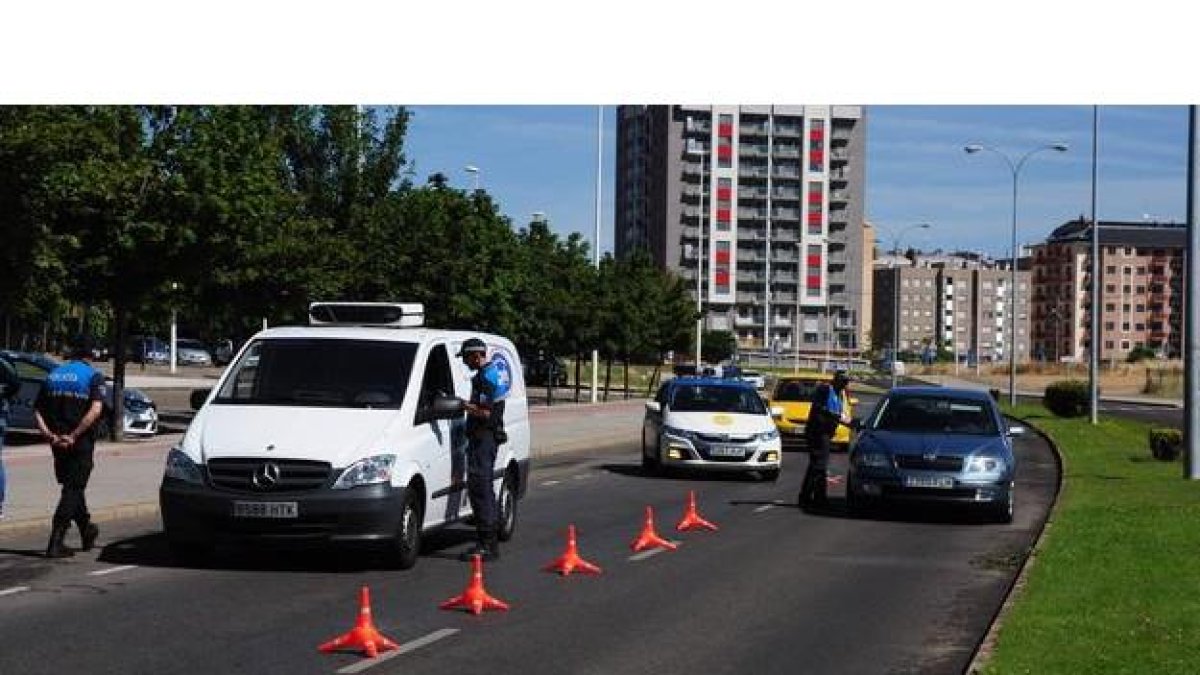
(1067, 398)
(1166, 444)
(1140, 353)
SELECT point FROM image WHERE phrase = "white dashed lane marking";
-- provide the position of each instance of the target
(550, 483)
(14, 590)
(402, 649)
(111, 570)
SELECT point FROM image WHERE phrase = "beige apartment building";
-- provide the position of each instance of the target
(1141, 292)
(760, 209)
(959, 302)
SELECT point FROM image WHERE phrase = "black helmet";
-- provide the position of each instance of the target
(841, 376)
(82, 346)
(472, 345)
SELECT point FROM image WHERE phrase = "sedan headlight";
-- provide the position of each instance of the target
(377, 469)
(181, 467)
(676, 431)
(985, 464)
(767, 435)
(878, 460)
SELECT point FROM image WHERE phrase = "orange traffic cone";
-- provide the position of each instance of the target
(569, 561)
(692, 519)
(363, 635)
(475, 599)
(649, 538)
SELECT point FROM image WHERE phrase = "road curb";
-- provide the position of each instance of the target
(987, 644)
(102, 515)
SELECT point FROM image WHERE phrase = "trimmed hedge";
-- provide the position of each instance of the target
(1067, 398)
(1166, 443)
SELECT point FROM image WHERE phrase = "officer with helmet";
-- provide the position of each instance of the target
(827, 412)
(485, 433)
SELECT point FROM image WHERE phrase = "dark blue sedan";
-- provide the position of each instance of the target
(934, 444)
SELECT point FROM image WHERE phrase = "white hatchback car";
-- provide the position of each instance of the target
(710, 424)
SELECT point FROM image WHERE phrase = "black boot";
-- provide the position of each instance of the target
(486, 547)
(56, 548)
(88, 533)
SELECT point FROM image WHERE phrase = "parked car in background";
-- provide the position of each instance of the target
(791, 402)
(147, 349)
(192, 353)
(935, 444)
(141, 414)
(542, 370)
(710, 424)
(222, 352)
(754, 377)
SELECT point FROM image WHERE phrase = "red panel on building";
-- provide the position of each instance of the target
(814, 198)
(722, 277)
(723, 215)
(814, 261)
(725, 151)
(814, 281)
(725, 130)
(724, 193)
(814, 219)
(722, 257)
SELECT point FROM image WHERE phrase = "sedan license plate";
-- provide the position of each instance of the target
(939, 482)
(726, 451)
(265, 510)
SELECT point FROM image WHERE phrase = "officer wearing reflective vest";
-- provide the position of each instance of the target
(68, 407)
(827, 412)
(485, 433)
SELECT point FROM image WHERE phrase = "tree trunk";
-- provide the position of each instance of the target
(626, 376)
(578, 363)
(607, 376)
(116, 430)
(654, 378)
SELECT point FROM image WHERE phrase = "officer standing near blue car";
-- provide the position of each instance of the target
(827, 412)
(485, 433)
(69, 405)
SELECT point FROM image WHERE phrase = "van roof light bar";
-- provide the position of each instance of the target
(382, 314)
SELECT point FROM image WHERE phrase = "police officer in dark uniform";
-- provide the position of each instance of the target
(69, 405)
(827, 412)
(485, 433)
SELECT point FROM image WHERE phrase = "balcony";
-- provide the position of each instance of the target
(753, 192)
(752, 129)
(752, 214)
(839, 196)
(786, 193)
(787, 151)
(787, 130)
(747, 150)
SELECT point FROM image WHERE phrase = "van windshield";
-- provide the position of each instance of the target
(321, 373)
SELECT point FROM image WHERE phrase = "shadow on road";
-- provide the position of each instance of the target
(636, 471)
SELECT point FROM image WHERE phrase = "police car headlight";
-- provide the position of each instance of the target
(181, 467)
(681, 433)
(768, 435)
(377, 469)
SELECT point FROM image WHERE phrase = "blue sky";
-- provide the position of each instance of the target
(543, 158)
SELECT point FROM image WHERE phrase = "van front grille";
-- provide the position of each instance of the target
(268, 476)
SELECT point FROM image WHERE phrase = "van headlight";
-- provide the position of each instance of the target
(377, 469)
(181, 467)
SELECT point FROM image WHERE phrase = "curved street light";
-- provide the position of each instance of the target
(1015, 169)
(474, 171)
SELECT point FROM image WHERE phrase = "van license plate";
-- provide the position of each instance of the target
(942, 482)
(727, 451)
(265, 510)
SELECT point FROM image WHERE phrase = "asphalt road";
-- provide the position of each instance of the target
(775, 590)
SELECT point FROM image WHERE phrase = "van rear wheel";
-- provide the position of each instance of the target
(406, 547)
(506, 502)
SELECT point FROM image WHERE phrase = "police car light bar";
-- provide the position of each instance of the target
(384, 314)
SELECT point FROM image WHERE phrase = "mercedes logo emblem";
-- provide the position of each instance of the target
(266, 476)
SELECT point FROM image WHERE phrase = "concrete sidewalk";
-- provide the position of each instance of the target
(127, 474)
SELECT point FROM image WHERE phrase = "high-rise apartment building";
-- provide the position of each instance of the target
(762, 205)
(1141, 293)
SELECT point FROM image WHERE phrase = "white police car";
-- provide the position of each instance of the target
(711, 424)
(347, 431)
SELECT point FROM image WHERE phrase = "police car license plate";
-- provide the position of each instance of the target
(941, 482)
(796, 430)
(726, 451)
(265, 510)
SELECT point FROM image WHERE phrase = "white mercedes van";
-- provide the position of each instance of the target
(346, 431)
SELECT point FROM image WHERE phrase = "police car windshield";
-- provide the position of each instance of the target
(321, 373)
(716, 398)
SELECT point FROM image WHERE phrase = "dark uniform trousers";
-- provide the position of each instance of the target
(481, 463)
(813, 490)
(72, 469)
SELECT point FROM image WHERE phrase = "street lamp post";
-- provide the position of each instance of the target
(174, 327)
(896, 294)
(1015, 168)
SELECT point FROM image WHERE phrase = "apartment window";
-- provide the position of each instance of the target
(1141, 271)
(1110, 307)
(1108, 344)
(1110, 288)
(1110, 325)
(1125, 345)
(1128, 252)
(1125, 326)
(1140, 309)
(1125, 308)
(1129, 289)
(1139, 327)
(1111, 269)
(1128, 270)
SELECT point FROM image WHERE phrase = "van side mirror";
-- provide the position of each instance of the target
(198, 397)
(653, 406)
(446, 407)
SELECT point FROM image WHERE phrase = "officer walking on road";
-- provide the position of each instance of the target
(10, 386)
(485, 433)
(69, 405)
(827, 412)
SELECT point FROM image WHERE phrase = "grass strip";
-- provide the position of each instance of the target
(1115, 586)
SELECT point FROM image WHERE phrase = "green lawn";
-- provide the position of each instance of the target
(1115, 586)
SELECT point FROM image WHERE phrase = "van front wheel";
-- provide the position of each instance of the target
(407, 545)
